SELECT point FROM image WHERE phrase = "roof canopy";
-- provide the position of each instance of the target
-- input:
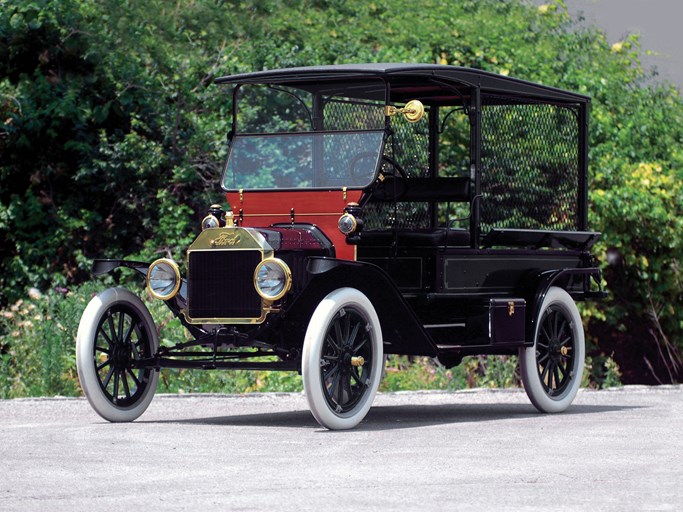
(430, 83)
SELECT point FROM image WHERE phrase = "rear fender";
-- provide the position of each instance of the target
(561, 278)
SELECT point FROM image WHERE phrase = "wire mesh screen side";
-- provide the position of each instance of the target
(408, 145)
(340, 114)
(529, 166)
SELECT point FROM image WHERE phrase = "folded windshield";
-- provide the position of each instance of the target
(303, 160)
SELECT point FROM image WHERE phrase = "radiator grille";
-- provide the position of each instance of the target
(221, 284)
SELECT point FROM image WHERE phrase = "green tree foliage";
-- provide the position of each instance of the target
(112, 139)
(109, 139)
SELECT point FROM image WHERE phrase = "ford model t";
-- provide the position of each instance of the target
(373, 209)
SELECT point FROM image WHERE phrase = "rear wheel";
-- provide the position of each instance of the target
(342, 359)
(115, 331)
(552, 369)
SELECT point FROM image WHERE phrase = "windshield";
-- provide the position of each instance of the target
(303, 160)
(325, 136)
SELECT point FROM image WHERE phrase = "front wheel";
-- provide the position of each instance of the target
(115, 331)
(342, 359)
(552, 369)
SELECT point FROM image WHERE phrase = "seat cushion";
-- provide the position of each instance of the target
(416, 238)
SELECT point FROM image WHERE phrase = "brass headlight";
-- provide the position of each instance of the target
(163, 279)
(272, 279)
(347, 224)
(210, 221)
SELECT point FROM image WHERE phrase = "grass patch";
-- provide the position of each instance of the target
(38, 357)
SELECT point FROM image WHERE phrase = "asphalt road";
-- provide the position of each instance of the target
(485, 450)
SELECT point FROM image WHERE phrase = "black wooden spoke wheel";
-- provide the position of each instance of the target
(555, 349)
(342, 359)
(552, 369)
(346, 360)
(121, 340)
(116, 332)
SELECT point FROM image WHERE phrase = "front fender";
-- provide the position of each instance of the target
(177, 304)
(402, 330)
(104, 266)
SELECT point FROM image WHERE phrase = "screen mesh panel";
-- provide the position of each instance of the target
(529, 166)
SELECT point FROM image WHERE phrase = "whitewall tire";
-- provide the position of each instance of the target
(343, 358)
(552, 368)
(115, 331)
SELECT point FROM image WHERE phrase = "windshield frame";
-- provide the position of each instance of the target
(285, 88)
(227, 175)
(383, 99)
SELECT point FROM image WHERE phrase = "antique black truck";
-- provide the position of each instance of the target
(373, 209)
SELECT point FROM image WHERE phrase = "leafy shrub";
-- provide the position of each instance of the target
(38, 350)
(38, 343)
(404, 373)
(642, 216)
(111, 142)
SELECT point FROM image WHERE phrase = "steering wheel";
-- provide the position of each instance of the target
(398, 169)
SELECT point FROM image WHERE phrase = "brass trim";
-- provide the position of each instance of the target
(178, 279)
(250, 240)
(226, 239)
(288, 279)
(230, 321)
(413, 111)
(289, 214)
(511, 308)
(357, 361)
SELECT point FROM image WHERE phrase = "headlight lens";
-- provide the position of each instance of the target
(347, 224)
(163, 279)
(272, 279)
(210, 221)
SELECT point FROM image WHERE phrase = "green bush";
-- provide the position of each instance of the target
(38, 344)
(38, 347)
(112, 141)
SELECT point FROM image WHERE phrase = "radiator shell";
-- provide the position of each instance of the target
(220, 277)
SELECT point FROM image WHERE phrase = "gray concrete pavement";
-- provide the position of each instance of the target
(487, 450)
